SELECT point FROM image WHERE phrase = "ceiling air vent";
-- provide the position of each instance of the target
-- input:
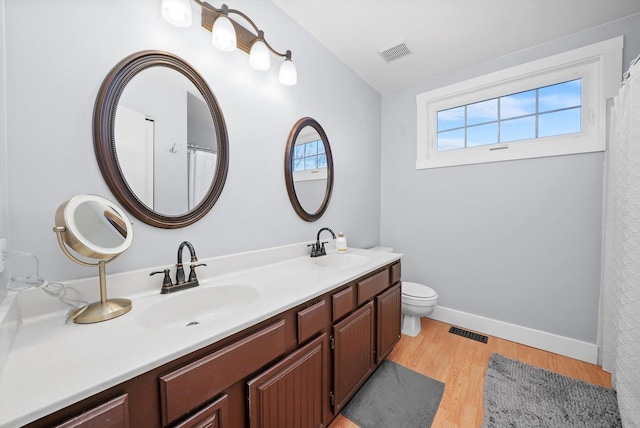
(395, 52)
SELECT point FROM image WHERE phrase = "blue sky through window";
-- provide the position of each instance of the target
(309, 156)
(541, 112)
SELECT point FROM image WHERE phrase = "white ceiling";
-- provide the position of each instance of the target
(443, 35)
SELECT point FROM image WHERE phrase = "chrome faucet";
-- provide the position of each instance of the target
(317, 249)
(181, 283)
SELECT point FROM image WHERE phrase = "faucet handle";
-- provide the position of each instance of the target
(167, 277)
(322, 251)
(314, 250)
(192, 272)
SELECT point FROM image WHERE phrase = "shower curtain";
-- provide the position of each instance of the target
(202, 165)
(620, 303)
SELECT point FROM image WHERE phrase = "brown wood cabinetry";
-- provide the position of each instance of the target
(292, 393)
(388, 308)
(112, 414)
(355, 356)
(352, 354)
(298, 368)
(188, 387)
(212, 416)
(343, 303)
(311, 320)
(376, 283)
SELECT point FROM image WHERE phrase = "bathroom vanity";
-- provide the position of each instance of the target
(292, 341)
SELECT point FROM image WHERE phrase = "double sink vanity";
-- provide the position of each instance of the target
(267, 337)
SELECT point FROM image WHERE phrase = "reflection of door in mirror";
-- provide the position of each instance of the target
(166, 114)
(134, 143)
(309, 169)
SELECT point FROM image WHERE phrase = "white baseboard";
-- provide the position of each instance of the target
(527, 336)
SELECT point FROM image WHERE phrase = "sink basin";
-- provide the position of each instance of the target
(341, 261)
(196, 306)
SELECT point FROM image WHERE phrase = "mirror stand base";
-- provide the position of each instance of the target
(101, 311)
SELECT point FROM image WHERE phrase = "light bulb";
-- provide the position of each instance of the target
(177, 12)
(223, 35)
(288, 75)
(259, 58)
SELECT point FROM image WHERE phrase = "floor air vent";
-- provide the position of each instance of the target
(469, 334)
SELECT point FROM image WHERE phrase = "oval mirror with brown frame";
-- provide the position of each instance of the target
(308, 169)
(160, 139)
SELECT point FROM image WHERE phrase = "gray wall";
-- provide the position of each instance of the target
(58, 53)
(515, 241)
(3, 150)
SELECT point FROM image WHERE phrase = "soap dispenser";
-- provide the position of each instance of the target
(341, 243)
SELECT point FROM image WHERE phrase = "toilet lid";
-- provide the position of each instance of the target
(417, 290)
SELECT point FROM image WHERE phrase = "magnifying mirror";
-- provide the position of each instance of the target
(96, 228)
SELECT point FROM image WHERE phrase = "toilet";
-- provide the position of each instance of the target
(418, 300)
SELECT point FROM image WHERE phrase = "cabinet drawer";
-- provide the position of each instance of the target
(311, 320)
(373, 285)
(395, 273)
(112, 414)
(188, 387)
(343, 303)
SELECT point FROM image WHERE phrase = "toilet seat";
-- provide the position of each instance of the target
(418, 291)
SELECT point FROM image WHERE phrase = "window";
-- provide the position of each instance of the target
(537, 113)
(548, 107)
(309, 156)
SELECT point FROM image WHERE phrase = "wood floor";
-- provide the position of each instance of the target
(461, 364)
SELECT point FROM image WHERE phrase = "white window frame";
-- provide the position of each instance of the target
(598, 65)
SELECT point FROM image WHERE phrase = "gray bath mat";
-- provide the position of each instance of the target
(520, 395)
(397, 397)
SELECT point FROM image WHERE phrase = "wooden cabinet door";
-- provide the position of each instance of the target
(294, 392)
(352, 354)
(389, 319)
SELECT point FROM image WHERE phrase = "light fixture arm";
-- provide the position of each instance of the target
(286, 55)
(245, 37)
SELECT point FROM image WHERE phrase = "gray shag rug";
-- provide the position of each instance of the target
(520, 395)
(395, 397)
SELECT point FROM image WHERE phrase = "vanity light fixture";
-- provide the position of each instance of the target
(223, 35)
(227, 34)
(177, 12)
(259, 54)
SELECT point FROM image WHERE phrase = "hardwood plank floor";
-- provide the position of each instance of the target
(461, 364)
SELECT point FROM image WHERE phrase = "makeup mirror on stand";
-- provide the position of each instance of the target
(94, 227)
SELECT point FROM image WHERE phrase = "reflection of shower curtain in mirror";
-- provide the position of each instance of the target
(201, 165)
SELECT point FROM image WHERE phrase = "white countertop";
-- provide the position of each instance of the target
(52, 364)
